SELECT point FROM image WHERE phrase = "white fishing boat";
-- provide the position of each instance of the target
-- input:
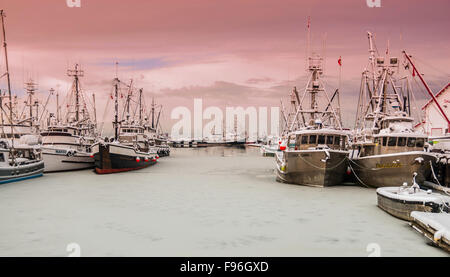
(66, 142)
(64, 150)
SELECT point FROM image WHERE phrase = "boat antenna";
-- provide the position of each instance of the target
(2, 16)
(308, 41)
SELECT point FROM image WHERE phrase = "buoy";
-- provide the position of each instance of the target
(146, 159)
(157, 157)
(91, 156)
(138, 159)
(349, 171)
(154, 160)
(282, 147)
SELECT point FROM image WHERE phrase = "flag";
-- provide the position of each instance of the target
(340, 61)
(112, 96)
(308, 21)
(414, 71)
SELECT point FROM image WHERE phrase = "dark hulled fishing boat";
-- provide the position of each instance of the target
(131, 148)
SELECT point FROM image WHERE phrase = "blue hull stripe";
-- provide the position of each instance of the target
(21, 178)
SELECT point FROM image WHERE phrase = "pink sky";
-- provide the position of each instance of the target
(247, 52)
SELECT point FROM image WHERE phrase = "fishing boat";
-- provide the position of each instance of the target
(314, 151)
(386, 148)
(66, 142)
(131, 148)
(18, 159)
(401, 201)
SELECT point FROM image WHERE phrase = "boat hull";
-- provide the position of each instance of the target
(312, 167)
(113, 158)
(392, 170)
(402, 208)
(21, 172)
(55, 162)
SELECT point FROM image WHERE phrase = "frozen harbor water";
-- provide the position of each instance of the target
(197, 202)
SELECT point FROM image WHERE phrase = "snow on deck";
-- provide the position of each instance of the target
(438, 221)
(408, 195)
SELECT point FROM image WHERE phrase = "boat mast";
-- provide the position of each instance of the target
(2, 16)
(116, 106)
(140, 106)
(76, 73)
(95, 110)
(153, 112)
(31, 88)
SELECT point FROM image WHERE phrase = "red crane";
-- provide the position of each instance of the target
(408, 57)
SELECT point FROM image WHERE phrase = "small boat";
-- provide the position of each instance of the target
(434, 226)
(132, 147)
(19, 162)
(270, 147)
(401, 201)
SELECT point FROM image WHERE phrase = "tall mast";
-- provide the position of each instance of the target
(76, 73)
(2, 15)
(30, 86)
(153, 112)
(140, 106)
(116, 108)
(95, 110)
(58, 119)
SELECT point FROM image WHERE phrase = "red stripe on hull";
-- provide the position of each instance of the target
(116, 170)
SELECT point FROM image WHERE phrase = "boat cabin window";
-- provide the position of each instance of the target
(411, 142)
(420, 142)
(304, 140)
(401, 141)
(384, 141)
(312, 139)
(330, 140)
(337, 140)
(321, 139)
(392, 141)
(2, 157)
